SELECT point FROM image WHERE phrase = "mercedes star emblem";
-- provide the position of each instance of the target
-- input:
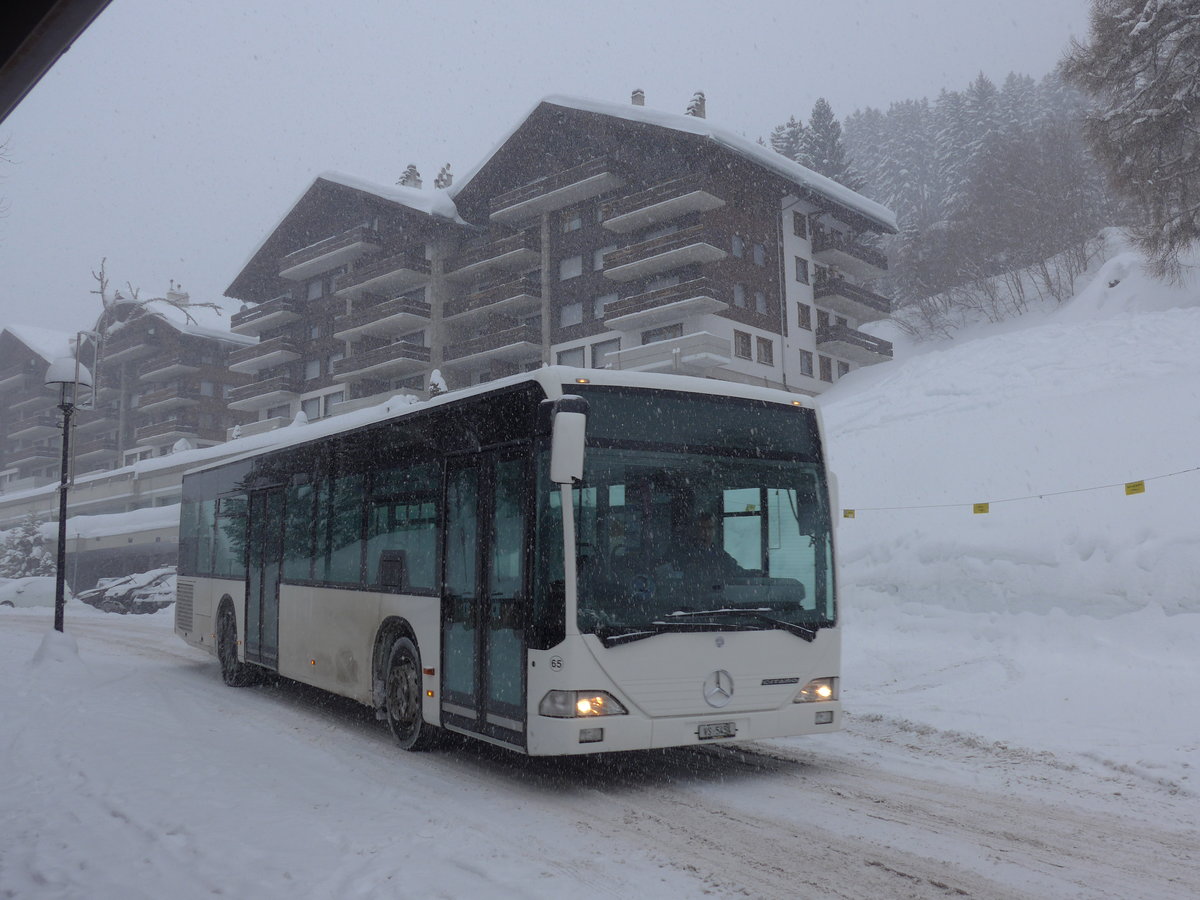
(718, 688)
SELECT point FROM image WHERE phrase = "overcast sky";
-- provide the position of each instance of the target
(173, 136)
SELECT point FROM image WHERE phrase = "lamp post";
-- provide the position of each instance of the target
(66, 376)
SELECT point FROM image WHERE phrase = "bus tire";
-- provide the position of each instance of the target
(403, 698)
(234, 672)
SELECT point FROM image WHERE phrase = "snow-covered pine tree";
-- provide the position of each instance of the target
(1141, 65)
(822, 149)
(23, 551)
(787, 139)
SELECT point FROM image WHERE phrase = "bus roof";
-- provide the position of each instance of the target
(552, 380)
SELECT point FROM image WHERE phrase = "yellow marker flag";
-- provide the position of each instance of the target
(1135, 487)
(847, 514)
(981, 508)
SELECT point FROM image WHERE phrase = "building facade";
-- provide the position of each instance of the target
(593, 235)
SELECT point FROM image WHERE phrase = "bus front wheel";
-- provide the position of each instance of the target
(403, 700)
(234, 672)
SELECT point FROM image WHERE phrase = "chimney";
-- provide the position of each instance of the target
(176, 293)
(444, 178)
(411, 177)
(696, 107)
(639, 97)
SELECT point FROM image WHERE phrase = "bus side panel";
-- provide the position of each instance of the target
(196, 622)
(327, 635)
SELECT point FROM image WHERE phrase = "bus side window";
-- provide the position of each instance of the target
(298, 533)
(229, 556)
(343, 552)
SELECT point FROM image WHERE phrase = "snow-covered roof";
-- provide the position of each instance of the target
(436, 203)
(208, 323)
(49, 345)
(756, 153)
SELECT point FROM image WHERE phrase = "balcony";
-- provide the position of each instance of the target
(129, 344)
(691, 354)
(168, 366)
(514, 344)
(562, 189)
(397, 316)
(516, 252)
(32, 456)
(32, 427)
(330, 253)
(263, 394)
(174, 396)
(661, 203)
(697, 297)
(161, 432)
(850, 300)
(696, 244)
(265, 316)
(388, 275)
(522, 296)
(102, 418)
(19, 380)
(846, 254)
(852, 344)
(96, 450)
(393, 361)
(265, 355)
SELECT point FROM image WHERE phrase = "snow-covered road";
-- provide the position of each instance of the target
(128, 770)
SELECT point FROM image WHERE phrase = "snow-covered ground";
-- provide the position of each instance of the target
(1023, 696)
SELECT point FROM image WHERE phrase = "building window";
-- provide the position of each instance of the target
(311, 408)
(822, 319)
(760, 302)
(739, 296)
(802, 270)
(571, 314)
(316, 289)
(766, 351)
(573, 357)
(334, 359)
(804, 316)
(666, 333)
(208, 389)
(800, 225)
(279, 412)
(602, 301)
(739, 247)
(603, 348)
(826, 368)
(314, 332)
(332, 400)
(741, 345)
(572, 222)
(760, 255)
(806, 363)
(598, 257)
(312, 369)
(843, 368)
(571, 267)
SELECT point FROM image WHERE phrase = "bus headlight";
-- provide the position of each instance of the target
(817, 690)
(580, 704)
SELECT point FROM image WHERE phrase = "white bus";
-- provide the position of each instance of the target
(563, 562)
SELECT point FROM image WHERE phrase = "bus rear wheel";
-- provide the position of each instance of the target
(234, 672)
(403, 700)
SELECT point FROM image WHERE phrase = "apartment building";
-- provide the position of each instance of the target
(594, 235)
(30, 423)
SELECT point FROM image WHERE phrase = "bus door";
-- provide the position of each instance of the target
(485, 594)
(264, 554)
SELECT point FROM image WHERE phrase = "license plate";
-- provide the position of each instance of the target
(717, 730)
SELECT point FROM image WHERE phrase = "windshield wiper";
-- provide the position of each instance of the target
(757, 613)
(612, 635)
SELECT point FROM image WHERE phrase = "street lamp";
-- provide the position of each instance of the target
(66, 376)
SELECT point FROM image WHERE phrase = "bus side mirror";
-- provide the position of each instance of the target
(567, 439)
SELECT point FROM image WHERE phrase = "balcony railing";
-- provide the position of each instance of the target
(852, 344)
(30, 455)
(515, 342)
(271, 314)
(35, 426)
(400, 358)
(851, 300)
(660, 203)
(264, 355)
(96, 448)
(695, 297)
(391, 317)
(690, 354)
(333, 251)
(261, 394)
(388, 274)
(561, 189)
(515, 251)
(521, 295)
(130, 343)
(184, 426)
(847, 254)
(697, 244)
(166, 366)
(182, 393)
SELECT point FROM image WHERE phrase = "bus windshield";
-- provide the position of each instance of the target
(707, 536)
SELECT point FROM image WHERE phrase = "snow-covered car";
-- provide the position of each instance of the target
(35, 590)
(145, 592)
